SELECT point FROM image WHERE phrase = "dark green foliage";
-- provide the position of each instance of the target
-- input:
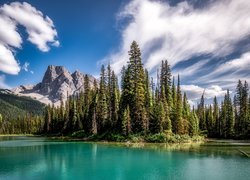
(20, 115)
(202, 114)
(12, 106)
(231, 120)
(140, 111)
(102, 107)
(157, 118)
(139, 119)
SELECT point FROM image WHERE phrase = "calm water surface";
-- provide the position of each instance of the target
(37, 158)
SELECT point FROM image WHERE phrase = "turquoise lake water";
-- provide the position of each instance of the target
(37, 158)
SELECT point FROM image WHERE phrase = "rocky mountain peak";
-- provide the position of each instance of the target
(53, 72)
(56, 85)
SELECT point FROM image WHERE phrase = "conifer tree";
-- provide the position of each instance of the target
(229, 119)
(86, 104)
(201, 114)
(244, 108)
(47, 119)
(239, 111)
(210, 120)
(92, 116)
(167, 83)
(137, 105)
(216, 116)
(114, 99)
(126, 97)
(157, 119)
(102, 109)
(186, 114)
(126, 122)
(194, 123)
(173, 112)
(179, 119)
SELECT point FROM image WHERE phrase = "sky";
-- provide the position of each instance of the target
(205, 41)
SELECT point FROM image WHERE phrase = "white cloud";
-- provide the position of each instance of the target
(183, 30)
(40, 29)
(8, 33)
(229, 72)
(190, 70)
(3, 85)
(194, 92)
(8, 63)
(26, 66)
(235, 65)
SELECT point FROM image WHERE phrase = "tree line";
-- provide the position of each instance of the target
(229, 120)
(140, 106)
(20, 115)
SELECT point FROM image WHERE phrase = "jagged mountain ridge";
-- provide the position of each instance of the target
(56, 85)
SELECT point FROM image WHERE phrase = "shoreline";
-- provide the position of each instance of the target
(139, 141)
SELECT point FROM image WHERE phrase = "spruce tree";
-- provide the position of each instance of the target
(215, 116)
(201, 113)
(186, 114)
(157, 118)
(210, 121)
(126, 97)
(114, 100)
(173, 108)
(239, 111)
(167, 83)
(137, 105)
(179, 119)
(126, 122)
(102, 109)
(229, 124)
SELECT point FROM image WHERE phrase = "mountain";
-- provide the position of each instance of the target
(12, 106)
(57, 84)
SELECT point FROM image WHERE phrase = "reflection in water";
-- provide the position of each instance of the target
(36, 158)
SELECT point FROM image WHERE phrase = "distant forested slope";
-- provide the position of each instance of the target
(12, 106)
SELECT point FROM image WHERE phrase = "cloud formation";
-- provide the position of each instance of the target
(229, 72)
(194, 92)
(182, 31)
(40, 29)
(26, 66)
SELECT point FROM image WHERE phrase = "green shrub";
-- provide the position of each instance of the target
(78, 134)
(159, 138)
(135, 138)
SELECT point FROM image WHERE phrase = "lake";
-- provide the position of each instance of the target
(39, 158)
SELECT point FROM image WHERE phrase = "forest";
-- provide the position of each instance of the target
(139, 106)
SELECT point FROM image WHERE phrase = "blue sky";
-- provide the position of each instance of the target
(206, 42)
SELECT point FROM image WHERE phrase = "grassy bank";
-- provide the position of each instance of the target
(112, 137)
(135, 138)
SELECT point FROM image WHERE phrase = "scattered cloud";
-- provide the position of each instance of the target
(40, 29)
(230, 72)
(194, 92)
(192, 69)
(8, 63)
(3, 85)
(26, 66)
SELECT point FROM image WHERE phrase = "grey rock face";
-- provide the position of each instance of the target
(57, 84)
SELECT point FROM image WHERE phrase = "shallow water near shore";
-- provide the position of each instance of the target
(24, 157)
